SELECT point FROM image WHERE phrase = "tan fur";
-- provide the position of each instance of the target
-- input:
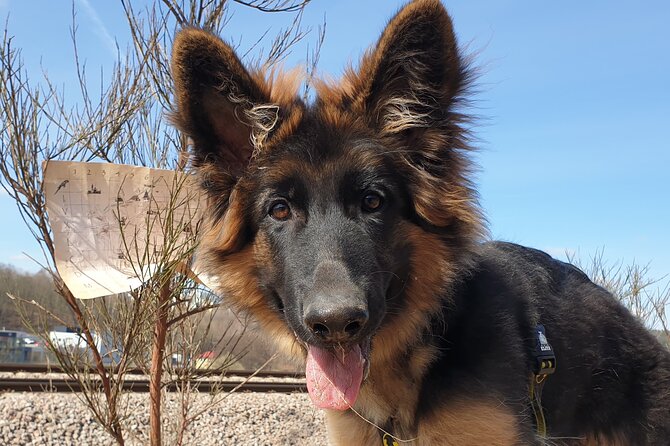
(350, 430)
(391, 392)
(468, 422)
(236, 278)
(282, 88)
(290, 120)
(432, 266)
(222, 233)
(462, 422)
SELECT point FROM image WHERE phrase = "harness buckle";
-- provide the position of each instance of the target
(388, 440)
(545, 358)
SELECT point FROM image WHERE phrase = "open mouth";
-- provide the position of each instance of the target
(334, 375)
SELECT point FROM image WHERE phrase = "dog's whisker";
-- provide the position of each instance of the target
(386, 272)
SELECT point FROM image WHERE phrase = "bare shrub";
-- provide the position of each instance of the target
(646, 297)
(167, 324)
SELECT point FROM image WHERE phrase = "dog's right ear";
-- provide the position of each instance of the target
(223, 108)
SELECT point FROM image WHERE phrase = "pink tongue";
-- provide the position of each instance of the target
(334, 378)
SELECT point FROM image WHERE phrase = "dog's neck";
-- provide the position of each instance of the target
(389, 396)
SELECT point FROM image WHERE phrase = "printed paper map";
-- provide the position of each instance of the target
(111, 223)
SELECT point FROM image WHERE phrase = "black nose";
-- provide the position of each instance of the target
(334, 323)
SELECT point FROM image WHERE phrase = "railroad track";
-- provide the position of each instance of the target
(44, 368)
(203, 386)
(238, 380)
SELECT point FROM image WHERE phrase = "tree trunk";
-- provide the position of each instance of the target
(157, 356)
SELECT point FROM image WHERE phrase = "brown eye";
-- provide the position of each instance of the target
(372, 202)
(280, 211)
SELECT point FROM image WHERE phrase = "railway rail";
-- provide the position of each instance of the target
(45, 368)
(239, 381)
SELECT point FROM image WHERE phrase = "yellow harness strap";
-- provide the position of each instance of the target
(387, 440)
(536, 382)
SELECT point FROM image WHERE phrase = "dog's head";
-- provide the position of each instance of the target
(342, 221)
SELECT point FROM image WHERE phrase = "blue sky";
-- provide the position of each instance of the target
(574, 100)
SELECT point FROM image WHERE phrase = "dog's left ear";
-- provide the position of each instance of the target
(408, 88)
(411, 78)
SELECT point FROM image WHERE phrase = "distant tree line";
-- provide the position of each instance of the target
(30, 286)
(39, 287)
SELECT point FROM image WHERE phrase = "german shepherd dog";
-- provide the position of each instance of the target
(350, 229)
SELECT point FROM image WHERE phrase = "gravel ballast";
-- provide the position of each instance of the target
(244, 419)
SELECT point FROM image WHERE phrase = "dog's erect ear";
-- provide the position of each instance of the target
(414, 73)
(409, 89)
(223, 108)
